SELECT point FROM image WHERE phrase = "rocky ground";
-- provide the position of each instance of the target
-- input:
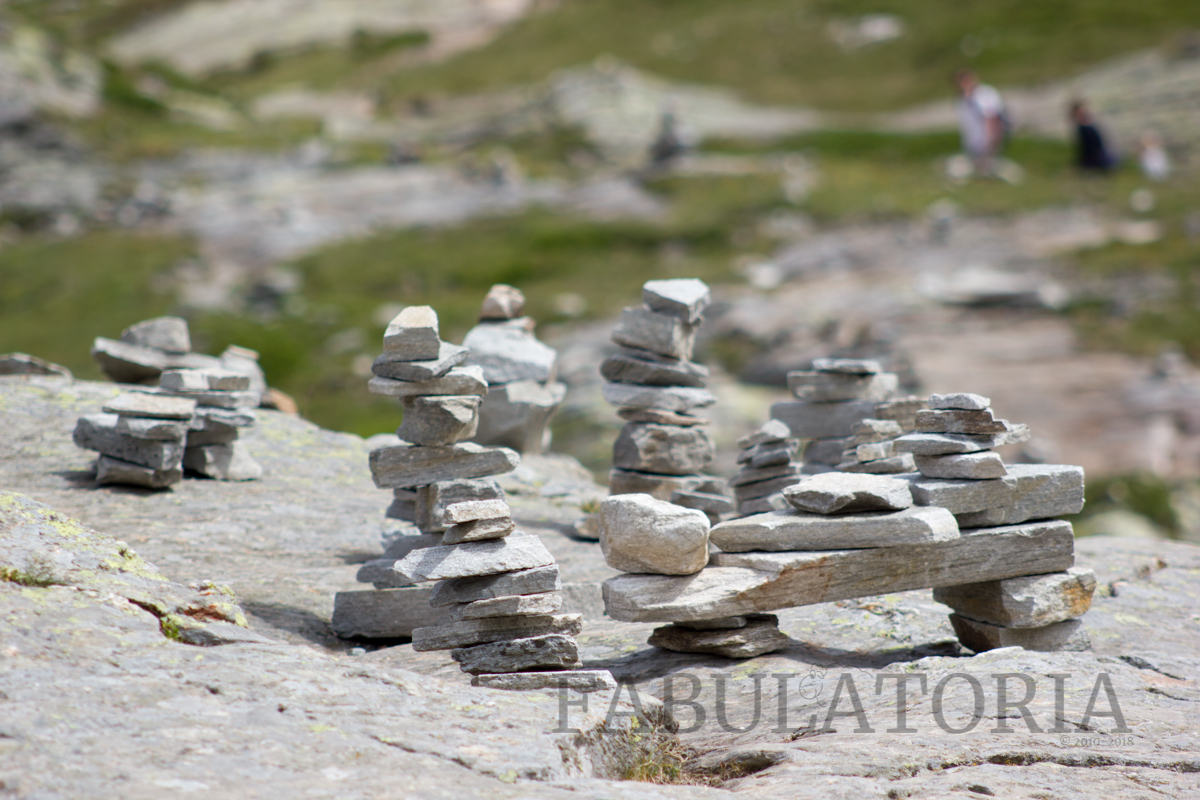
(286, 709)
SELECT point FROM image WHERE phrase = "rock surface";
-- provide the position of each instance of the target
(838, 493)
(798, 530)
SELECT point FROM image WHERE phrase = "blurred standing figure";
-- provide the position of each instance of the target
(1152, 157)
(1091, 153)
(981, 121)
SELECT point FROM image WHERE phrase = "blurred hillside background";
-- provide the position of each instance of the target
(288, 174)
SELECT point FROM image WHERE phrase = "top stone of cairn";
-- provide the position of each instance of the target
(413, 334)
(502, 302)
(685, 298)
(169, 334)
(961, 401)
(847, 366)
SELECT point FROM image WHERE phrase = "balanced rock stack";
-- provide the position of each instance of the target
(522, 394)
(141, 439)
(502, 592)
(959, 471)
(831, 399)
(768, 467)
(663, 449)
(224, 405)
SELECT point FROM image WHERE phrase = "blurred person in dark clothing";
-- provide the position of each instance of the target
(1091, 154)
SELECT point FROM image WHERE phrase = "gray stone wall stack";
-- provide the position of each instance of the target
(664, 448)
(768, 466)
(225, 402)
(522, 393)
(140, 437)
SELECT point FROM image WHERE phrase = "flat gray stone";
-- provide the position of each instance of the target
(412, 335)
(901, 409)
(405, 466)
(439, 420)
(662, 449)
(472, 510)
(670, 398)
(943, 444)
(822, 420)
(833, 387)
(961, 497)
(449, 356)
(964, 401)
(214, 397)
(556, 652)
(641, 534)
(494, 629)
(474, 558)
(769, 453)
(502, 302)
(840, 493)
(137, 404)
(1070, 636)
(521, 582)
(203, 380)
(868, 431)
(521, 605)
(479, 530)
(212, 434)
(825, 451)
(958, 421)
(964, 466)
(151, 428)
(432, 500)
(459, 380)
(660, 416)
(1039, 491)
(896, 465)
(582, 681)
(224, 462)
(751, 491)
(209, 418)
(509, 353)
(625, 367)
(1030, 602)
(99, 432)
(761, 635)
(659, 333)
(736, 584)
(800, 531)
(763, 505)
(518, 414)
(131, 363)
(848, 366)
(660, 487)
(25, 364)
(169, 334)
(771, 431)
(384, 613)
(114, 471)
(685, 298)
(748, 475)
(725, 623)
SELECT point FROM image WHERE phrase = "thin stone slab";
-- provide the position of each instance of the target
(224, 462)
(670, 398)
(207, 417)
(131, 363)
(825, 451)
(433, 500)
(840, 493)
(847, 366)
(662, 449)
(771, 431)
(902, 409)
(150, 428)
(169, 334)
(963, 401)
(1040, 491)
(99, 432)
(412, 335)
(522, 605)
(582, 681)
(942, 444)
(1029, 602)
(521, 582)
(26, 364)
(869, 431)
(137, 404)
(979, 466)
(384, 613)
(659, 333)
(1068, 636)
(626, 368)
(736, 584)
(957, 421)
(203, 380)
(641, 534)
(836, 387)
(473, 510)
(554, 652)
(439, 420)
(660, 416)
(502, 302)
(896, 465)
(660, 487)
(508, 352)
(822, 420)
(685, 298)
(751, 491)
(761, 635)
(114, 471)
(406, 466)
(474, 558)
(961, 497)
(457, 381)
(212, 434)
(748, 475)
(449, 356)
(494, 629)
(724, 623)
(214, 397)
(479, 530)
(517, 415)
(800, 531)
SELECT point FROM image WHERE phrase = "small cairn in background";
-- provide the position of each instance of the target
(768, 467)
(140, 438)
(224, 405)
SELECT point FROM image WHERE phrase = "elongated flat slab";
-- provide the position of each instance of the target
(505, 584)
(385, 613)
(459, 380)
(659, 333)
(1029, 602)
(1040, 491)
(406, 466)
(99, 432)
(941, 444)
(652, 370)
(538, 653)
(388, 366)
(521, 605)
(668, 398)
(736, 584)
(584, 681)
(137, 404)
(148, 428)
(833, 387)
(112, 470)
(1070, 636)
(799, 531)
(474, 558)
(964, 466)
(495, 629)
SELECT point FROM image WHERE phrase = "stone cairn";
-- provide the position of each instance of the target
(224, 405)
(768, 467)
(522, 394)
(981, 534)
(498, 590)
(953, 449)
(663, 449)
